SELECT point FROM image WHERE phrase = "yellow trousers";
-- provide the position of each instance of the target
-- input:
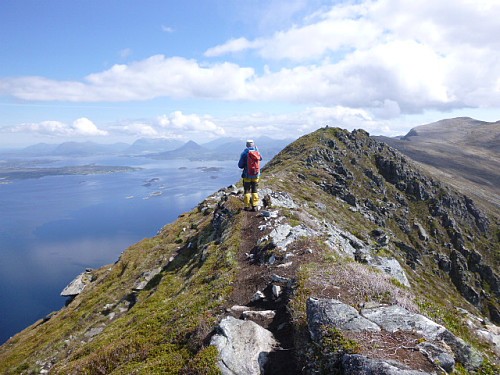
(251, 196)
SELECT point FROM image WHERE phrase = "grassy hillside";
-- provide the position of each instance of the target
(330, 191)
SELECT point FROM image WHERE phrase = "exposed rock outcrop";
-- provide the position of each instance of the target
(441, 346)
(78, 284)
(325, 312)
(396, 318)
(146, 277)
(355, 364)
(243, 346)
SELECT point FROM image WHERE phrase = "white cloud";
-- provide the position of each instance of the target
(296, 124)
(167, 29)
(418, 55)
(174, 125)
(440, 24)
(233, 45)
(153, 77)
(79, 127)
(190, 123)
(84, 126)
(342, 27)
(136, 129)
(126, 52)
(389, 57)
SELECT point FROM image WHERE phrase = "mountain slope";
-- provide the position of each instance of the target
(189, 150)
(72, 149)
(462, 151)
(351, 223)
(149, 145)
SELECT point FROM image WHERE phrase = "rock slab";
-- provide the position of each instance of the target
(333, 313)
(77, 286)
(397, 318)
(243, 345)
(355, 364)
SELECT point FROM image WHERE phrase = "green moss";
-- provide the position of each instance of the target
(333, 341)
(204, 363)
(359, 235)
(488, 368)
(21, 368)
(460, 370)
(301, 294)
(323, 357)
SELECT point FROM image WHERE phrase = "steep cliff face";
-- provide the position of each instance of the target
(358, 262)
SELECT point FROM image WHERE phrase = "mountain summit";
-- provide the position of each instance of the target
(359, 262)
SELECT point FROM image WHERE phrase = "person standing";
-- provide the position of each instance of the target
(250, 163)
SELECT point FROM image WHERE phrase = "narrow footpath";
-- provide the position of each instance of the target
(270, 309)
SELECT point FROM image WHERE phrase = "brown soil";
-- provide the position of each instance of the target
(397, 346)
(252, 275)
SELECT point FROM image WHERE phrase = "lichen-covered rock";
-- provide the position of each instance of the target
(388, 265)
(491, 333)
(438, 355)
(332, 313)
(283, 235)
(396, 318)
(243, 346)
(278, 198)
(355, 364)
(146, 277)
(78, 284)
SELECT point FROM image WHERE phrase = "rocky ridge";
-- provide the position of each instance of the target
(357, 263)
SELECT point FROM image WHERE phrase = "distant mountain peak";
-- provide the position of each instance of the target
(191, 146)
(191, 143)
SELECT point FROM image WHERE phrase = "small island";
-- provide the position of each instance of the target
(9, 175)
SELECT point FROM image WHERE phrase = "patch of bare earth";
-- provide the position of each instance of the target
(397, 346)
(254, 275)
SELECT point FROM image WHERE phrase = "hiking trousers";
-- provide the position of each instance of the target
(251, 196)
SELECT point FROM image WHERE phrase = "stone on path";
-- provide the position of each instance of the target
(243, 345)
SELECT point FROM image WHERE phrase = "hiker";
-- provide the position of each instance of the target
(250, 163)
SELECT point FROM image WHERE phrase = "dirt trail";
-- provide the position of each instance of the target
(253, 276)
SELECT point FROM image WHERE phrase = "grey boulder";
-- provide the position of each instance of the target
(333, 313)
(78, 284)
(243, 346)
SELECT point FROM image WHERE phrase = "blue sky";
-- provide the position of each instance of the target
(118, 70)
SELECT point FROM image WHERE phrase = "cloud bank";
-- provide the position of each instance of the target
(361, 63)
(203, 128)
(81, 127)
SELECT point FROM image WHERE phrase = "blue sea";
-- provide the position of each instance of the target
(53, 228)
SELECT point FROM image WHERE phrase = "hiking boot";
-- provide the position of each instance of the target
(255, 209)
(247, 209)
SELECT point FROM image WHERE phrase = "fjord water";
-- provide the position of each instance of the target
(53, 228)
